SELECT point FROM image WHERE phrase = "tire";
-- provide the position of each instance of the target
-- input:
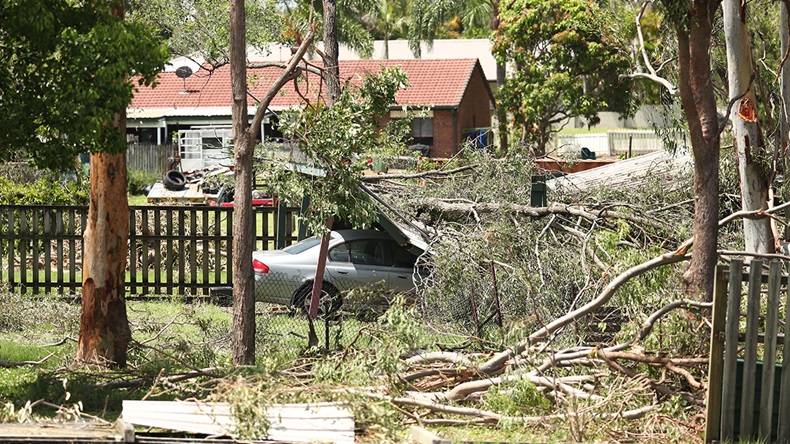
(174, 180)
(330, 302)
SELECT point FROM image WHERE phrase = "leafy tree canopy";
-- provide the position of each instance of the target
(565, 63)
(64, 75)
(339, 139)
(201, 28)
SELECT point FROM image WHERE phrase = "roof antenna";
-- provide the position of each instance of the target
(184, 72)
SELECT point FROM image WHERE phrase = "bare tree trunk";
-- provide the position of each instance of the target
(753, 162)
(501, 113)
(784, 13)
(243, 279)
(699, 104)
(331, 49)
(332, 80)
(104, 327)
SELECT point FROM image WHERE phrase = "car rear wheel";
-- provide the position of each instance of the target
(329, 303)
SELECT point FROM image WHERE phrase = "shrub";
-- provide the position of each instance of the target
(48, 189)
(139, 180)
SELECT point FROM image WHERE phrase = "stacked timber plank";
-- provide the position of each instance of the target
(318, 422)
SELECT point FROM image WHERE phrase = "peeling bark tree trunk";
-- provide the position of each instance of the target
(699, 105)
(753, 160)
(104, 327)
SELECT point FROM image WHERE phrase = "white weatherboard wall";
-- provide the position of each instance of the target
(318, 422)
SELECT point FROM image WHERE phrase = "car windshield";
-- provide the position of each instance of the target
(302, 245)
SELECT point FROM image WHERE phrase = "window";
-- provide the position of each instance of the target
(339, 254)
(367, 252)
(422, 130)
(401, 257)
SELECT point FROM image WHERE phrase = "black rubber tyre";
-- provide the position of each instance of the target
(174, 180)
(330, 302)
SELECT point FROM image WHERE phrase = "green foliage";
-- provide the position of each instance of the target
(65, 77)
(137, 181)
(567, 63)
(49, 189)
(339, 139)
(202, 27)
(520, 398)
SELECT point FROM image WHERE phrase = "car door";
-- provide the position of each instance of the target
(358, 263)
(400, 277)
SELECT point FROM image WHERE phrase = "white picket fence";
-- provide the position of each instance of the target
(610, 143)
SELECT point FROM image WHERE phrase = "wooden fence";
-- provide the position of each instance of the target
(749, 395)
(149, 157)
(173, 249)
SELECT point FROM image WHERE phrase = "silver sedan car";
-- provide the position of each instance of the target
(355, 259)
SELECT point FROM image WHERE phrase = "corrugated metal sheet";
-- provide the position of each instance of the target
(626, 173)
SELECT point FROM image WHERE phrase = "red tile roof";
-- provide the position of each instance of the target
(434, 83)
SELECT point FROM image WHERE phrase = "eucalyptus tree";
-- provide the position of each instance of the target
(754, 160)
(64, 88)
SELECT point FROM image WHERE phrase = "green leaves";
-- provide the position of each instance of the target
(338, 140)
(566, 63)
(69, 77)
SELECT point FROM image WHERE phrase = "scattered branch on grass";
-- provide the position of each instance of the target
(139, 382)
(668, 363)
(440, 356)
(12, 364)
(656, 386)
(462, 209)
(424, 174)
(61, 342)
(647, 326)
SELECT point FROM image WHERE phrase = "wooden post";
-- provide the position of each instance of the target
(750, 348)
(731, 350)
(716, 363)
(769, 354)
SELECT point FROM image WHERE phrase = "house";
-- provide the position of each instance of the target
(195, 110)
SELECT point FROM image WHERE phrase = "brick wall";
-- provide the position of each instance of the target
(473, 112)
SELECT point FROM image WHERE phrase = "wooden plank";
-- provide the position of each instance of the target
(72, 247)
(181, 255)
(217, 247)
(205, 245)
(23, 247)
(169, 243)
(783, 428)
(280, 226)
(11, 247)
(303, 209)
(146, 232)
(46, 235)
(34, 239)
(750, 348)
(193, 277)
(71, 432)
(731, 350)
(229, 245)
(319, 422)
(157, 251)
(769, 356)
(133, 248)
(59, 231)
(420, 435)
(716, 362)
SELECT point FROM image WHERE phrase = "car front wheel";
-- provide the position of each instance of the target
(329, 303)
